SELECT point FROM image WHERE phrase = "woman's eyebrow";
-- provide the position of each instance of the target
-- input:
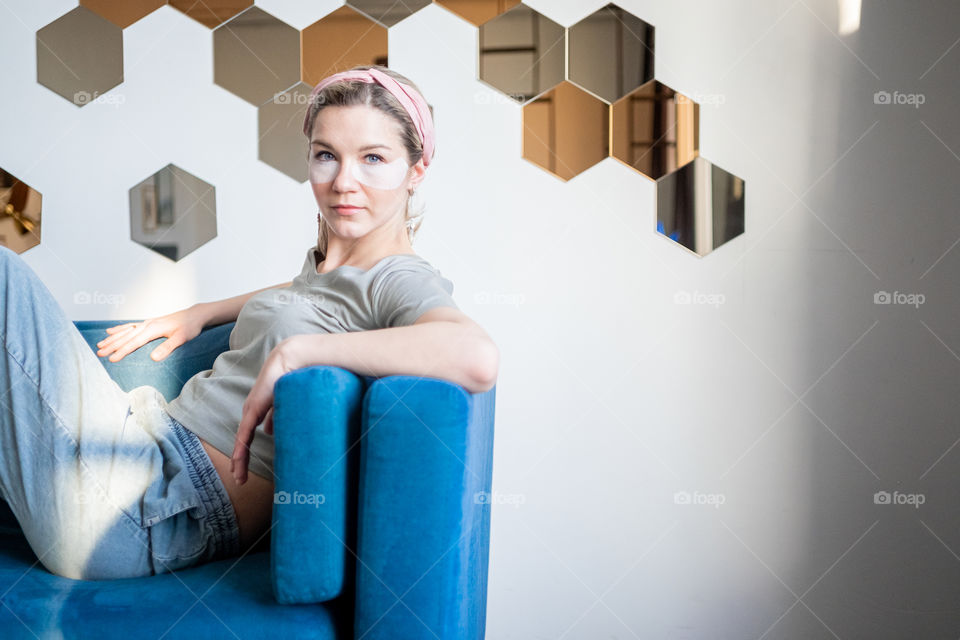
(329, 146)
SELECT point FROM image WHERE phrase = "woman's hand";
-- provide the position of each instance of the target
(258, 407)
(178, 328)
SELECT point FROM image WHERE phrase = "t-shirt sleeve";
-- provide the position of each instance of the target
(403, 295)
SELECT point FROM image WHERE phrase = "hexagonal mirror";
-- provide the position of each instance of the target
(565, 130)
(256, 55)
(654, 129)
(700, 206)
(280, 131)
(477, 12)
(123, 13)
(522, 53)
(610, 52)
(211, 14)
(20, 208)
(388, 12)
(339, 41)
(80, 56)
(173, 212)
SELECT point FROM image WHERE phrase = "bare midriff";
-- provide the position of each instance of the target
(252, 501)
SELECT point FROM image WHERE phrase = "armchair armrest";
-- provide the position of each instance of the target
(170, 374)
(424, 513)
(316, 419)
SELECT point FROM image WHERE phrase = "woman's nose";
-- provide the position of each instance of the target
(345, 178)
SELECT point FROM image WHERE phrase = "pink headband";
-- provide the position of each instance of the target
(409, 97)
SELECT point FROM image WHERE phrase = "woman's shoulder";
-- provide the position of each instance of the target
(403, 262)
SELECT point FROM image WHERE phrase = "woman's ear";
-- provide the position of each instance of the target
(419, 173)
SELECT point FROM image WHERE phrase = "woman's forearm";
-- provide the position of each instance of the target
(446, 350)
(227, 310)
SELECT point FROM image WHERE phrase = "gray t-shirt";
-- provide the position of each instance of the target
(393, 293)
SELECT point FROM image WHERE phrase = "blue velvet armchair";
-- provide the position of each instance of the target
(381, 520)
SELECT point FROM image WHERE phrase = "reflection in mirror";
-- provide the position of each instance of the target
(611, 52)
(20, 207)
(700, 206)
(522, 53)
(211, 14)
(80, 56)
(478, 11)
(280, 131)
(565, 130)
(123, 13)
(256, 55)
(339, 41)
(655, 129)
(173, 212)
(388, 12)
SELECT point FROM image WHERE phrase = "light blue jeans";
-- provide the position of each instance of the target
(104, 483)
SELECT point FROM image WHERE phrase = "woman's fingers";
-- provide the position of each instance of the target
(165, 348)
(116, 341)
(135, 339)
(116, 332)
(268, 423)
(134, 343)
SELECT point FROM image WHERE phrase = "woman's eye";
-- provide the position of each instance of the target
(373, 155)
(321, 153)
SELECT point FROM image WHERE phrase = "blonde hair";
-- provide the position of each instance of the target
(357, 92)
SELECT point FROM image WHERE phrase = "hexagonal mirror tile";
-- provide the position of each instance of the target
(211, 14)
(478, 11)
(280, 131)
(339, 41)
(80, 56)
(700, 206)
(654, 129)
(256, 56)
(388, 12)
(20, 208)
(610, 52)
(173, 212)
(522, 53)
(123, 13)
(565, 130)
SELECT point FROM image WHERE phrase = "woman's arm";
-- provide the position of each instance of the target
(227, 310)
(179, 327)
(442, 343)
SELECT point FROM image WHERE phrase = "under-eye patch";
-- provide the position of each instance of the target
(379, 175)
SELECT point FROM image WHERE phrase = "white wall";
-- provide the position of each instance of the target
(794, 401)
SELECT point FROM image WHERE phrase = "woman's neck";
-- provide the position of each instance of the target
(338, 257)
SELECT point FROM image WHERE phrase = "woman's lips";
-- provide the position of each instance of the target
(346, 211)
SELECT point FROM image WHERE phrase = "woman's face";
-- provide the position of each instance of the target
(357, 158)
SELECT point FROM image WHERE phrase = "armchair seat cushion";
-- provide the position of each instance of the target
(213, 600)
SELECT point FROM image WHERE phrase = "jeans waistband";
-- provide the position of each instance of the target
(221, 516)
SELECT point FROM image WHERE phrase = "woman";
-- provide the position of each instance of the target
(108, 484)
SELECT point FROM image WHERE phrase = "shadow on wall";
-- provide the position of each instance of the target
(882, 546)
